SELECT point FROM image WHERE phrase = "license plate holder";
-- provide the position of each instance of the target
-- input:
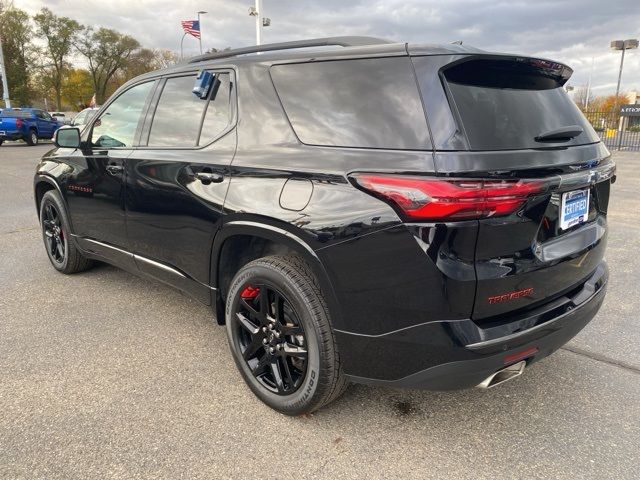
(574, 208)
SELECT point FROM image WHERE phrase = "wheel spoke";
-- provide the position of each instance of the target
(277, 307)
(60, 249)
(294, 351)
(261, 366)
(253, 313)
(252, 348)
(287, 372)
(288, 330)
(263, 298)
(246, 323)
(277, 374)
(50, 244)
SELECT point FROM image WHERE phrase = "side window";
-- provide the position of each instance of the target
(117, 125)
(39, 114)
(178, 117)
(218, 116)
(372, 103)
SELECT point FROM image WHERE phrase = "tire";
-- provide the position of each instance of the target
(32, 138)
(54, 223)
(301, 322)
(1, 141)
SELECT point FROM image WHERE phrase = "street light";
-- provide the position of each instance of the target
(260, 21)
(622, 45)
(200, 27)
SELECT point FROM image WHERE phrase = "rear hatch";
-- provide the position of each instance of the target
(511, 121)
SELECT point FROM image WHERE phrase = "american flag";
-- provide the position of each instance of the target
(192, 27)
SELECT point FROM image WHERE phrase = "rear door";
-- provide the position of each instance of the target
(178, 178)
(509, 118)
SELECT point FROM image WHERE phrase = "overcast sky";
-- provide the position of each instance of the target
(574, 32)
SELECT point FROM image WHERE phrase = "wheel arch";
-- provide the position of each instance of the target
(41, 185)
(258, 240)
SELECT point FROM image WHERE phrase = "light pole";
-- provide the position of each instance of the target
(5, 85)
(622, 45)
(260, 20)
(201, 12)
(182, 46)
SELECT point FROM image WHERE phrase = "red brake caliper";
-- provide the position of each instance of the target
(250, 292)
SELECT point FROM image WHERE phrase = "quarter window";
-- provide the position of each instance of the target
(117, 125)
(370, 103)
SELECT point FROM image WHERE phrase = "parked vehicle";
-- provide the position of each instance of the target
(84, 117)
(28, 124)
(392, 214)
(60, 117)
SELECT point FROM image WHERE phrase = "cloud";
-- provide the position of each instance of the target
(568, 31)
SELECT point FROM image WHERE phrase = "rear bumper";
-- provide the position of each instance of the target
(448, 355)
(11, 136)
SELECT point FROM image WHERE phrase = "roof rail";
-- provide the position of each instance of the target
(315, 42)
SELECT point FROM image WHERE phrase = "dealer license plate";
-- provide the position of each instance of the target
(574, 208)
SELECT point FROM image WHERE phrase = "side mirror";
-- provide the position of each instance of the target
(67, 137)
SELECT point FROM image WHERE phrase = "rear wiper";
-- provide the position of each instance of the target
(561, 134)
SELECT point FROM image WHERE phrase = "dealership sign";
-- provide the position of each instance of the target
(630, 110)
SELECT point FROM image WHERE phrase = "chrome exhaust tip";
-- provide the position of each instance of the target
(504, 375)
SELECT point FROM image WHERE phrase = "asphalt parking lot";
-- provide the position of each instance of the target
(105, 375)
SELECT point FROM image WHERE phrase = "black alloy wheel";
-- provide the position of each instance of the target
(55, 238)
(279, 331)
(56, 233)
(271, 338)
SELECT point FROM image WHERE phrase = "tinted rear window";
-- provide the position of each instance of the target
(354, 103)
(504, 104)
(16, 114)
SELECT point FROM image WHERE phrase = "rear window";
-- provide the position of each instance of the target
(506, 104)
(370, 103)
(16, 114)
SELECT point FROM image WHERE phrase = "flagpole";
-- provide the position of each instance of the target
(200, 28)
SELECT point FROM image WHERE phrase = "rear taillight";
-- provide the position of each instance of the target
(18, 123)
(421, 198)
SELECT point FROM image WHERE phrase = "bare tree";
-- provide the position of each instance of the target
(583, 97)
(107, 52)
(59, 34)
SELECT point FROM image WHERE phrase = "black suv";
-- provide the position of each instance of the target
(384, 213)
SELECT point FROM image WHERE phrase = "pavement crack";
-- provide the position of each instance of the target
(602, 358)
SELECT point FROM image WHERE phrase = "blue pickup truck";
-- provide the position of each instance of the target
(28, 124)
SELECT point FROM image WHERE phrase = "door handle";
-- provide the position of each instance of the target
(114, 169)
(209, 177)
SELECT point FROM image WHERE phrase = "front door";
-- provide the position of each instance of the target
(46, 124)
(178, 178)
(96, 186)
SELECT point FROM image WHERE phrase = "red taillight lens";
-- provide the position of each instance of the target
(18, 123)
(440, 199)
